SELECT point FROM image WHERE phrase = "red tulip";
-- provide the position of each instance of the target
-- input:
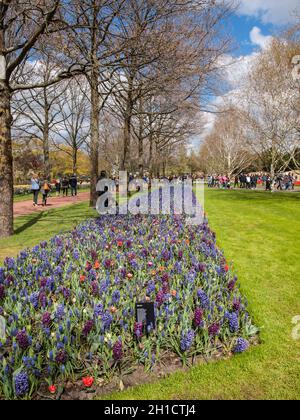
(52, 389)
(88, 381)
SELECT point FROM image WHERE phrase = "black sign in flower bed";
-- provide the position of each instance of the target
(68, 306)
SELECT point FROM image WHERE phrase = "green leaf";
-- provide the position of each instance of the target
(95, 347)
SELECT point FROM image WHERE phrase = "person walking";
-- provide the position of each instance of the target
(243, 181)
(236, 181)
(73, 184)
(35, 188)
(248, 182)
(58, 187)
(268, 183)
(45, 190)
(65, 186)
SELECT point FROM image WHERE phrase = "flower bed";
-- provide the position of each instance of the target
(67, 307)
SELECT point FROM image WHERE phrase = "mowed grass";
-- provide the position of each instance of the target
(34, 228)
(260, 233)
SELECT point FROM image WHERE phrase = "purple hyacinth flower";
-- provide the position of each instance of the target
(233, 320)
(241, 346)
(232, 284)
(138, 329)
(46, 319)
(2, 292)
(160, 297)
(88, 328)
(21, 383)
(198, 316)
(23, 340)
(236, 305)
(61, 357)
(95, 288)
(187, 340)
(203, 298)
(214, 330)
(118, 351)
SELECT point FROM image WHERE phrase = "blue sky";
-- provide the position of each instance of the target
(267, 16)
(251, 28)
(240, 28)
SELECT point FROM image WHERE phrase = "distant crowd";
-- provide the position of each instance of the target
(61, 185)
(282, 182)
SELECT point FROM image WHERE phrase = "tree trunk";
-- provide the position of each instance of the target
(6, 163)
(141, 158)
(95, 108)
(46, 147)
(141, 140)
(126, 162)
(164, 168)
(273, 158)
(74, 159)
(150, 164)
(46, 151)
(94, 137)
(126, 149)
(141, 154)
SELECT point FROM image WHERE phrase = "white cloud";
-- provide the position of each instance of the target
(257, 38)
(234, 73)
(278, 12)
(235, 69)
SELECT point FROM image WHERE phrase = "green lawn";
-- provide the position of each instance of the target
(32, 229)
(260, 233)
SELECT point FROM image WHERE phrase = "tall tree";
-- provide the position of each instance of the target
(170, 48)
(22, 25)
(270, 106)
(94, 21)
(225, 150)
(74, 128)
(36, 112)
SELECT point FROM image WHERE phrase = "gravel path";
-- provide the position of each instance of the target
(25, 208)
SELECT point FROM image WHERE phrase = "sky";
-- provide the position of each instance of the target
(251, 27)
(256, 20)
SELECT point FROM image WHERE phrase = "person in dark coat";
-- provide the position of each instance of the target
(65, 186)
(269, 183)
(73, 184)
(57, 184)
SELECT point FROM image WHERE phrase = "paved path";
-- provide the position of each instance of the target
(24, 208)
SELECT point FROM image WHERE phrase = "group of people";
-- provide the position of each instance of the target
(285, 182)
(219, 181)
(64, 184)
(61, 185)
(251, 181)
